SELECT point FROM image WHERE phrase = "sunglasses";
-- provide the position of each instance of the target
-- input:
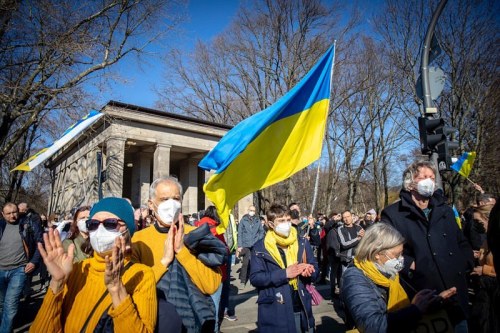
(109, 224)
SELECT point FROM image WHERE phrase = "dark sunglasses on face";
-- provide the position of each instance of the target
(109, 224)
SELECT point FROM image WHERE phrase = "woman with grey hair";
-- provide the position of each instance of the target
(371, 291)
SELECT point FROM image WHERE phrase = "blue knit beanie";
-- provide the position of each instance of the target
(118, 206)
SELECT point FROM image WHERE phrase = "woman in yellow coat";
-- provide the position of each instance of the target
(106, 292)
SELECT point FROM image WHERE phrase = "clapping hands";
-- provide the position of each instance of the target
(113, 272)
(174, 242)
(297, 269)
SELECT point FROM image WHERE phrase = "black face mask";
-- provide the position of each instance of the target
(479, 226)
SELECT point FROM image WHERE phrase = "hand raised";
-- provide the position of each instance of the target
(113, 272)
(59, 263)
(179, 235)
(114, 264)
(168, 249)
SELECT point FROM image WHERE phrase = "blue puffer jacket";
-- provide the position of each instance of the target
(270, 279)
(366, 303)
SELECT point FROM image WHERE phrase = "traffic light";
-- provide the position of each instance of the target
(429, 133)
(445, 149)
(434, 138)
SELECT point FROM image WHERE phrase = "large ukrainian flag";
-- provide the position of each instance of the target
(273, 144)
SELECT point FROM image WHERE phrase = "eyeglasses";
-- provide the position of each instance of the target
(394, 257)
(109, 224)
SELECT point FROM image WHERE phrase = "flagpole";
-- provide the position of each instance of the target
(316, 185)
(470, 181)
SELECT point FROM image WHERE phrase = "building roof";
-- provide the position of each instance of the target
(166, 114)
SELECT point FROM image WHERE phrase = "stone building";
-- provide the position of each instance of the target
(129, 147)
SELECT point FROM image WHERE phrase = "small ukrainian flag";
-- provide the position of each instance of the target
(464, 164)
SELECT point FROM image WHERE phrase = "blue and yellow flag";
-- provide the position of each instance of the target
(464, 164)
(457, 216)
(66, 137)
(273, 144)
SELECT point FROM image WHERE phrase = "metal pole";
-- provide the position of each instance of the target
(426, 87)
(316, 185)
(429, 109)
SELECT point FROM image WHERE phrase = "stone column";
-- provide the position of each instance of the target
(161, 161)
(144, 177)
(141, 178)
(115, 158)
(189, 181)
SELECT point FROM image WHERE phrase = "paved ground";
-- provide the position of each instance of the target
(244, 301)
(28, 308)
(245, 304)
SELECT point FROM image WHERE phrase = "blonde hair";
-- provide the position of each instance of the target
(378, 238)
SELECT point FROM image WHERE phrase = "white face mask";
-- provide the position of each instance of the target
(392, 266)
(283, 229)
(102, 240)
(169, 211)
(82, 225)
(251, 213)
(395, 263)
(426, 187)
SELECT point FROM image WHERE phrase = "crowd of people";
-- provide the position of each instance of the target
(108, 267)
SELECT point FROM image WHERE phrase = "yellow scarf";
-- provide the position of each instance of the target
(271, 243)
(397, 295)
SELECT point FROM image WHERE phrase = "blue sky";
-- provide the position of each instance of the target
(206, 19)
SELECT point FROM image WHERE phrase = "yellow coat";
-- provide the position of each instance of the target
(147, 248)
(68, 310)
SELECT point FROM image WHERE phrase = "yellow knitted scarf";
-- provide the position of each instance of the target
(271, 243)
(397, 295)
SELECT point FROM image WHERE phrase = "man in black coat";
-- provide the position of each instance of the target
(436, 254)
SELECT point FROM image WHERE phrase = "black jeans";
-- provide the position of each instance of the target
(335, 273)
(245, 266)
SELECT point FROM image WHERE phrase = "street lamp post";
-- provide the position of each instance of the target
(430, 111)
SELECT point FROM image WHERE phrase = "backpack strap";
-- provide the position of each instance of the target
(3, 224)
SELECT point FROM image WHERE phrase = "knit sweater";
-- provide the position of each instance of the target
(148, 246)
(68, 310)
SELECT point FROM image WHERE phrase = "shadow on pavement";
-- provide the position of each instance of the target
(329, 325)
